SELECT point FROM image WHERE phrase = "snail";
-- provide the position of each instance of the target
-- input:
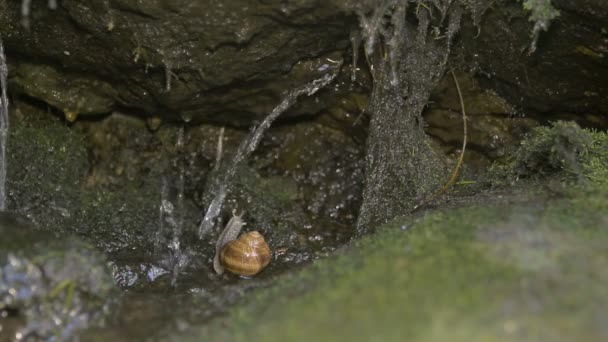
(246, 255)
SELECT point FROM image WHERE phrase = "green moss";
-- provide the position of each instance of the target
(542, 13)
(540, 10)
(48, 169)
(553, 149)
(595, 162)
(562, 150)
(46, 162)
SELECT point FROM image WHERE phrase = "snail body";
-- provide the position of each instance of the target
(247, 255)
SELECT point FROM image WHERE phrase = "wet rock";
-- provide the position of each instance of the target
(51, 181)
(568, 72)
(184, 60)
(302, 197)
(73, 95)
(104, 180)
(55, 286)
(493, 123)
(328, 169)
(269, 204)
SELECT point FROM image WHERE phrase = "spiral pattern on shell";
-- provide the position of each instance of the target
(247, 255)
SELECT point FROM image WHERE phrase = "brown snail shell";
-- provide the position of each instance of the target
(247, 255)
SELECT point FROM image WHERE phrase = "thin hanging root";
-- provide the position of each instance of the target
(454, 175)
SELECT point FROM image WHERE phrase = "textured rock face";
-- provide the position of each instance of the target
(187, 60)
(229, 62)
(568, 72)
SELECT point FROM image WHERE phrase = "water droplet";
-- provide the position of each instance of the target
(187, 117)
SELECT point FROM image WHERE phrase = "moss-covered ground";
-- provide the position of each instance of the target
(524, 272)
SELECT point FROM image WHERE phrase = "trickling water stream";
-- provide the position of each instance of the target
(167, 242)
(3, 125)
(249, 145)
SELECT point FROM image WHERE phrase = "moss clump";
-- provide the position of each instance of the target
(562, 150)
(541, 13)
(552, 149)
(595, 162)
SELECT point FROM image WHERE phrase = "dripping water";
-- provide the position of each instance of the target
(355, 41)
(3, 125)
(175, 246)
(249, 145)
(171, 218)
(26, 9)
(168, 76)
(165, 214)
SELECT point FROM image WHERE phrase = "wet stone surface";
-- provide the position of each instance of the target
(50, 287)
(493, 123)
(104, 181)
(181, 60)
(564, 77)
